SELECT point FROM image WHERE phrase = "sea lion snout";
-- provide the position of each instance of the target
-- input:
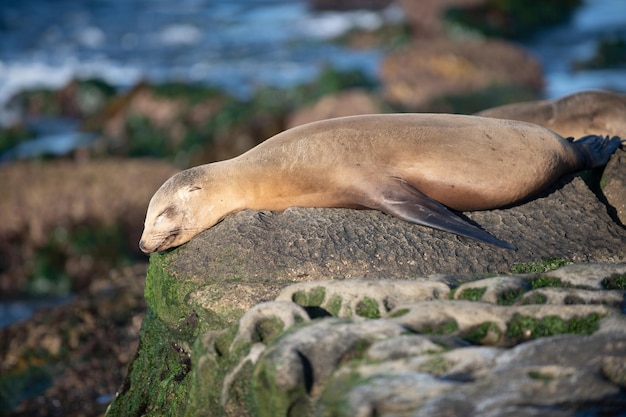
(143, 247)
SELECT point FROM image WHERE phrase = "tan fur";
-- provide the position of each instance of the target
(575, 115)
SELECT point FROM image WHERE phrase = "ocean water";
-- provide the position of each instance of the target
(558, 48)
(235, 44)
(238, 44)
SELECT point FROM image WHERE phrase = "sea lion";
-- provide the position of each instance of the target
(575, 115)
(408, 165)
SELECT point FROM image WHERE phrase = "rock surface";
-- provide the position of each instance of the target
(440, 345)
(346, 312)
(417, 76)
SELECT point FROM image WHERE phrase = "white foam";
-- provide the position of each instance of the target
(180, 34)
(24, 75)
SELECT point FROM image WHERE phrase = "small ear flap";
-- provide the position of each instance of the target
(194, 188)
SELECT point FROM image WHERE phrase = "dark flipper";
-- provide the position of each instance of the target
(596, 149)
(402, 200)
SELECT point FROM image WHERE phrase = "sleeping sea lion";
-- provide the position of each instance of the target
(412, 166)
(575, 115)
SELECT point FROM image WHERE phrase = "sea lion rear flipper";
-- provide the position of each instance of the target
(404, 201)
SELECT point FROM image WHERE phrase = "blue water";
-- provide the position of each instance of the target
(558, 48)
(235, 44)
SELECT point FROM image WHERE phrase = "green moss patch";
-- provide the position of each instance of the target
(615, 282)
(314, 297)
(487, 333)
(544, 281)
(541, 376)
(437, 365)
(333, 305)
(546, 264)
(524, 327)
(535, 298)
(368, 307)
(472, 294)
(399, 313)
(158, 382)
(509, 297)
(444, 327)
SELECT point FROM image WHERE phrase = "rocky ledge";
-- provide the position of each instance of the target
(355, 313)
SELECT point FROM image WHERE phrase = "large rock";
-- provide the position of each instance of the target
(212, 346)
(397, 347)
(421, 75)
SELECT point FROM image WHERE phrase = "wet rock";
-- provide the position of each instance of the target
(429, 75)
(71, 359)
(197, 294)
(347, 103)
(71, 218)
(417, 351)
(613, 184)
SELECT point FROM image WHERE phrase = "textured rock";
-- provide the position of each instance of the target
(445, 331)
(415, 354)
(414, 77)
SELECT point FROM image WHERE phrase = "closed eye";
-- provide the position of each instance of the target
(168, 212)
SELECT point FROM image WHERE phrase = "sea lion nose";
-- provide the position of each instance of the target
(143, 247)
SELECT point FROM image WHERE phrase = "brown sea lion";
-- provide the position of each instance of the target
(408, 165)
(575, 115)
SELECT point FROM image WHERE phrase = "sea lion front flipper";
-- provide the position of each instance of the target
(404, 201)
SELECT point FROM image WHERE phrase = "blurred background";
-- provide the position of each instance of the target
(102, 100)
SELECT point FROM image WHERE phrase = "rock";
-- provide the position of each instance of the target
(69, 360)
(408, 350)
(613, 184)
(420, 76)
(356, 343)
(425, 17)
(44, 202)
(347, 103)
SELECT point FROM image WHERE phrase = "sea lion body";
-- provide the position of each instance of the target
(575, 115)
(407, 165)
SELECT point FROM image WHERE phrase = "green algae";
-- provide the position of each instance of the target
(487, 333)
(333, 305)
(268, 329)
(314, 297)
(615, 282)
(399, 313)
(546, 264)
(510, 297)
(446, 326)
(472, 294)
(541, 376)
(158, 379)
(436, 365)
(368, 308)
(525, 327)
(535, 298)
(164, 293)
(543, 281)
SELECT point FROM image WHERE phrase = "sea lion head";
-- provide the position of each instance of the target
(178, 211)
